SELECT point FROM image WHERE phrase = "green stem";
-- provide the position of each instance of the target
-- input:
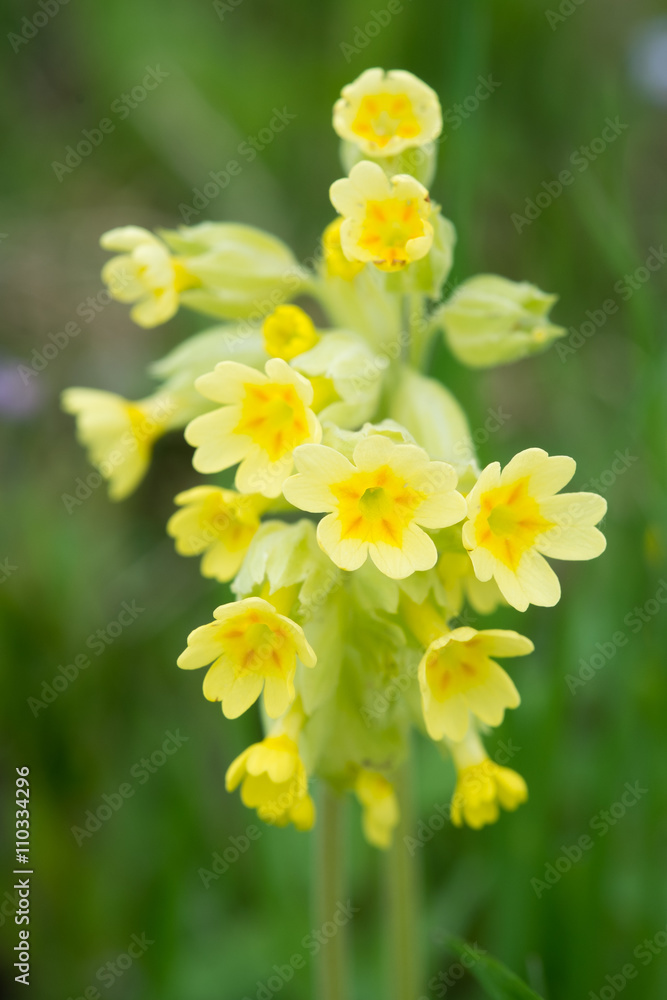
(420, 331)
(328, 892)
(402, 884)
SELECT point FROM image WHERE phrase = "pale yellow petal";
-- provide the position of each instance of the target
(243, 693)
(505, 642)
(347, 553)
(226, 384)
(537, 580)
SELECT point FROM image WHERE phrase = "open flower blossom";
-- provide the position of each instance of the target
(145, 273)
(386, 112)
(516, 518)
(273, 781)
(288, 331)
(250, 647)
(482, 786)
(377, 504)
(385, 220)
(118, 433)
(218, 523)
(264, 417)
(459, 679)
(380, 807)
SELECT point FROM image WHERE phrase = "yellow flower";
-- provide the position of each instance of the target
(482, 786)
(458, 679)
(385, 220)
(377, 504)
(219, 523)
(380, 807)
(387, 112)
(263, 419)
(288, 331)
(515, 519)
(250, 647)
(119, 434)
(336, 263)
(273, 781)
(145, 273)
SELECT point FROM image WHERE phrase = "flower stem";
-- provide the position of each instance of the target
(419, 330)
(402, 890)
(328, 892)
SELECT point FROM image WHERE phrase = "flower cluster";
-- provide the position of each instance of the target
(357, 524)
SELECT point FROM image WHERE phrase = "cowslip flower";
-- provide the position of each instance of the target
(287, 332)
(516, 518)
(491, 320)
(264, 417)
(250, 648)
(377, 504)
(385, 220)
(380, 807)
(145, 273)
(482, 786)
(119, 433)
(273, 781)
(386, 112)
(218, 523)
(459, 680)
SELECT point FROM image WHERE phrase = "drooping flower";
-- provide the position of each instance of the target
(239, 268)
(492, 321)
(264, 417)
(273, 781)
(385, 220)
(218, 523)
(145, 273)
(118, 433)
(459, 679)
(336, 263)
(387, 112)
(482, 786)
(250, 647)
(377, 504)
(288, 331)
(380, 807)
(515, 519)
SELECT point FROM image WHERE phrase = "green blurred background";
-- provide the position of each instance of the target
(66, 574)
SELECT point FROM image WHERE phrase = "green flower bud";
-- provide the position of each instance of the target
(346, 379)
(197, 355)
(493, 321)
(287, 555)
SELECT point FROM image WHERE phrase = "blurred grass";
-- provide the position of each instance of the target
(139, 873)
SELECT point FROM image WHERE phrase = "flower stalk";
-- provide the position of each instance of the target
(402, 889)
(329, 882)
